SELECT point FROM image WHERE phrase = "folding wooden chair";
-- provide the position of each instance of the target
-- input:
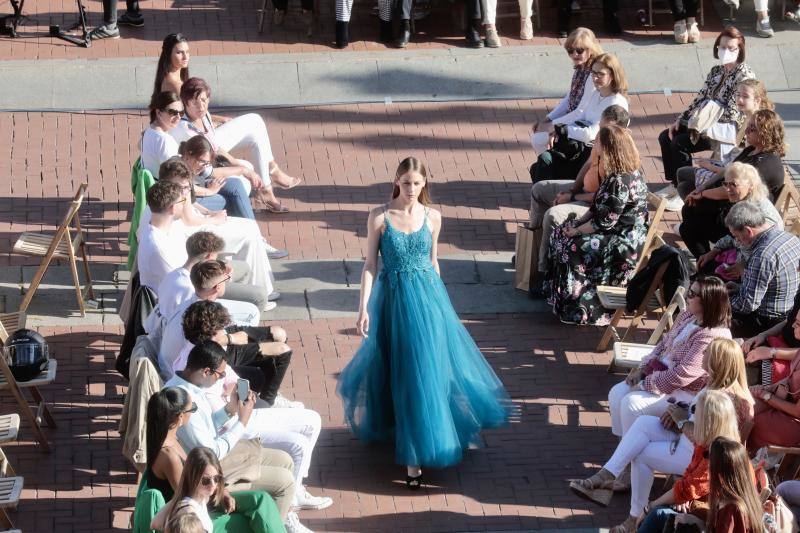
(630, 355)
(10, 491)
(614, 297)
(59, 246)
(42, 411)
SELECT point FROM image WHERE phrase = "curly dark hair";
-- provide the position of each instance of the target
(203, 319)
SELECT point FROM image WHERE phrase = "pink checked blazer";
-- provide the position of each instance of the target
(685, 358)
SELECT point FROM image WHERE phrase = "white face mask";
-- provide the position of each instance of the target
(727, 57)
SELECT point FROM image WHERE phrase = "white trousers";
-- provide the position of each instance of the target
(627, 405)
(248, 133)
(244, 242)
(242, 313)
(295, 431)
(539, 141)
(525, 9)
(648, 448)
(762, 5)
(489, 8)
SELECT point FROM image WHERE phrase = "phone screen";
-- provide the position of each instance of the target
(243, 389)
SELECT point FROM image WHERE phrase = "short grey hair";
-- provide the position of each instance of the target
(745, 214)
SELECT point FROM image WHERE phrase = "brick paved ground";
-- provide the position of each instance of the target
(516, 482)
(223, 28)
(478, 153)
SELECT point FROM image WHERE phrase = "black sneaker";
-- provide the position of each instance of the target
(474, 38)
(104, 32)
(136, 20)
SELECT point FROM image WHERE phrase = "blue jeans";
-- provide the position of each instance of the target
(215, 202)
(655, 521)
(231, 197)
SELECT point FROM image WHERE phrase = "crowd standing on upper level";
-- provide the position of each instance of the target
(688, 410)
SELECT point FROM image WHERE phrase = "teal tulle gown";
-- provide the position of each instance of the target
(418, 378)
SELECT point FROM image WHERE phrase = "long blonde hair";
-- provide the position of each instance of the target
(584, 38)
(714, 417)
(196, 463)
(724, 360)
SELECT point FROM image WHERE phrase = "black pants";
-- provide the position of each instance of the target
(253, 375)
(703, 223)
(610, 8)
(273, 368)
(750, 324)
(553, 167)
(282, 5)
(683, 9)
(110, 10)
(676, 152)
(473, 11)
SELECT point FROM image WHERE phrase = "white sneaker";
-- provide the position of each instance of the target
(764, 28)
(293, 524)
(275, 253)
(680, 32)
(674, 204)
(304, 500)
(694, 33)
(274, 295)
(667, 192)
(270, 306)
(285, 403)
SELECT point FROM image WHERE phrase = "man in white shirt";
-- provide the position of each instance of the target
(221, 427)
(162, 244)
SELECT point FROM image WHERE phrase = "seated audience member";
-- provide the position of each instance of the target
(733, 501)
(778, 343)
(220, 426)
(553, 201)
(663, 443)
(561, 155)
(209, 281)
(778, 405)
(177, 285)
(162, 239)
(674, 368)
(602, 246)
(714, 417)
(677, 142)
(242, 236)
(168, 410)
(246, 132)
(770, 278)
(751, 96)
(706, 223)
(582, 47)
(157, 144)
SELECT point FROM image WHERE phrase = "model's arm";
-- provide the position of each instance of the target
(436, 225)
(374, 228)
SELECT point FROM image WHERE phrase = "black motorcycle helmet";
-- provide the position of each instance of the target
(27, 354)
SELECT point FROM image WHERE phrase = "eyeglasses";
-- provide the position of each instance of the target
(204, 162)
(729, 184)
(192, 409)
(220, 375)
(578, 51)
(600, 73)
(691, 293)
(174, 112)
(206, 481)
(180, 201)
(226, 280)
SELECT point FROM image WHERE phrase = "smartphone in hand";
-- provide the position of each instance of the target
(243, 389)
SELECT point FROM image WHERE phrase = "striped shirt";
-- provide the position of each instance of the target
(770, 279)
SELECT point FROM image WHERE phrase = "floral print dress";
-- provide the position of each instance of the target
(608, 256)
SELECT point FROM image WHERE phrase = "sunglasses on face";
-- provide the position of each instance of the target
(192, 409)
(173, 112)
(220, 375)
(691, 293)
(227, 279)
(578, 51)
(206, 481)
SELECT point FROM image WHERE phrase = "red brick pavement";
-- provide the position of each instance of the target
(230, 28)
(478, 153)
(516, 482)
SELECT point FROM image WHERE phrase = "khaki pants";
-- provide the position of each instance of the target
(275, 476)
(545, 215)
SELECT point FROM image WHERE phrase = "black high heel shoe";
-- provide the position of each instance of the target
(414, 483)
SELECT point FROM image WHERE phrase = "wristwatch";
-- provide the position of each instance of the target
(767, 396)
(772, 352)
(681, 423)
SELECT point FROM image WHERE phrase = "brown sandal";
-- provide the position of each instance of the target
(628, 526)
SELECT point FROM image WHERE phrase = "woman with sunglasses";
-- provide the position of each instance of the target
(674, 368)
(665, 443)
(727, 256)
(563, 145)
(718, 93)
(157, 145)
(168, 467)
